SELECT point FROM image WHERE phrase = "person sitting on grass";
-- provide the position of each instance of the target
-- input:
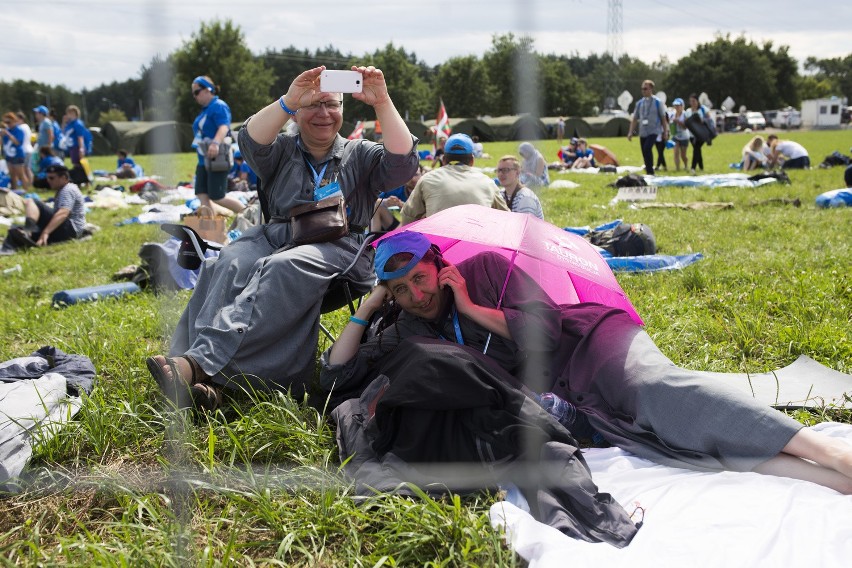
(241, 177)
(46, 158)
(46, 225)
(520, 199)
(533, 167)
(383, 219)
(754, 156)
(594, 357)
(787, 154)
(585, 156)
(125, 166)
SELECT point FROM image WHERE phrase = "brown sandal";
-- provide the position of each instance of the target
(176, 387)
(206, 396)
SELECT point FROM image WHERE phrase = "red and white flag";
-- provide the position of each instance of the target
(442, 127)
(358, 132)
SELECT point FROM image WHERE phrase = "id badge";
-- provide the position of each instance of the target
(327, 190)
(645, 122)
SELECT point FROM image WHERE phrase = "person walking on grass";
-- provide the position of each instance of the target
(650, 117)
(211, 127)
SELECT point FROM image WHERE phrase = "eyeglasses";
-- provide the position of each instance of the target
(330, 106)
(506, 170)
(196, 91)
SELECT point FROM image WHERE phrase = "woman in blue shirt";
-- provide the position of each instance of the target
(210, 127)
(13, 149)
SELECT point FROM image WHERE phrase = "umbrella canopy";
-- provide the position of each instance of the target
(566, 266)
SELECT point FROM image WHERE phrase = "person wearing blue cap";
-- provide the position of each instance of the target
(679, 133)
(241, 177)
(211, 127)
(593, 356)
(456, 183)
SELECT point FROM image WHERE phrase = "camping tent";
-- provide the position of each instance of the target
(606, 126)
(416, 128)
(149, 137)
(100, 145)
(517, 127)
(474, 127)
(577, 127)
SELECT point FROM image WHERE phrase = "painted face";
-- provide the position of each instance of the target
(320, 122)
(418, 292)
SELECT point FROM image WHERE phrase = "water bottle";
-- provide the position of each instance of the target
(14, 270)
(576, 422)
(234, 234)
(562, 410)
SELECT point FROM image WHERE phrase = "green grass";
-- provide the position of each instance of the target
(261, 485)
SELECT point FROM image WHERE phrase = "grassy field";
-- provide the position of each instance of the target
(130, 483)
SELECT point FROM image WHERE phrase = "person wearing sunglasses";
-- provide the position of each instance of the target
(46, 225)
(211, 127)
(253, 320)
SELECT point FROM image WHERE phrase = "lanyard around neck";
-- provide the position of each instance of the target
(456, 328)
(318, 176)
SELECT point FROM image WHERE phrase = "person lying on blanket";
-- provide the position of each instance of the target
(593, 356)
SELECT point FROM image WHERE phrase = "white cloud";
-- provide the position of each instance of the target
(99, 41)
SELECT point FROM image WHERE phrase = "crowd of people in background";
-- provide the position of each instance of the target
(28, 152)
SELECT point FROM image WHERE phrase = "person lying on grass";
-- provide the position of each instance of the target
(593, 356)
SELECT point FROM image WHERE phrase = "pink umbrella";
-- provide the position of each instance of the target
(565, 265)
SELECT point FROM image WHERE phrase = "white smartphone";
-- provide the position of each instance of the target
(332, 81)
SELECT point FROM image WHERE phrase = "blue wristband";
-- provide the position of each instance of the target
(359, 321)
(287, 110)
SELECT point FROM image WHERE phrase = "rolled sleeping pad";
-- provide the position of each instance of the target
(93, 293)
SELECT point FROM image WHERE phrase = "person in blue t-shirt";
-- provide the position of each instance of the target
(383, 219)
(13, 148)
(584, 156)
(211, 127)
(76, 142)
(125, 165)
(46, 158)
(241, 177)
(74, 135)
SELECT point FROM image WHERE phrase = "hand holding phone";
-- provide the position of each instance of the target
(334, 81)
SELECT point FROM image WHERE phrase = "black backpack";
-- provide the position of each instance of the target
(625, 239)
(630, 180)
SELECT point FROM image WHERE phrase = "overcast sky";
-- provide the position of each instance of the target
(85, 43)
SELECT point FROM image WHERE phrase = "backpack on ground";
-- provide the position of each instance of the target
(630, 180)
(625, 239)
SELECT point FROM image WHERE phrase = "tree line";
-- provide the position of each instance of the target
(511, 77)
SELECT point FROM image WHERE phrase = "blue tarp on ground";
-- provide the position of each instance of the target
(646, 263)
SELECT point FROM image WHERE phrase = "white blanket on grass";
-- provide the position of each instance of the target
(698, 519)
